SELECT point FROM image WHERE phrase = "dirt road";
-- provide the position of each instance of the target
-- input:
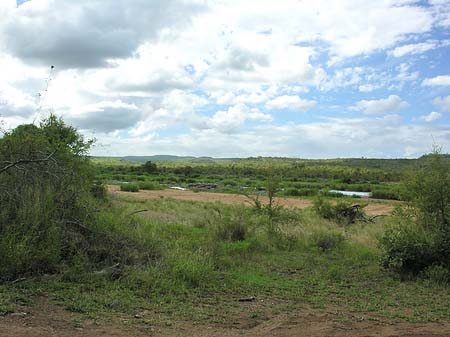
(374, 207)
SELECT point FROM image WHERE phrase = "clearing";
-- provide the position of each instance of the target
(375, 207)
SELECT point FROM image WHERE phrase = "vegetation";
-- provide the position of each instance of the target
(129, 187)
(299, 177)
(100, 255)
(53, 215)
(419, 238)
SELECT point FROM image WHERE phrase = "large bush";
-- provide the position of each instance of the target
(419, 237)
(46, 186)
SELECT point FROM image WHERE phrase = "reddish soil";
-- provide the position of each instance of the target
(48, 319)
(374, 207)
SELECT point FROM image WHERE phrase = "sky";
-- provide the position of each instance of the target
(232, 78)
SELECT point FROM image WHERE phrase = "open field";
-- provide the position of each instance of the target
(373, 208)
(194, 284)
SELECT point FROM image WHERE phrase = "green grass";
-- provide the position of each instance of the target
(194, 274)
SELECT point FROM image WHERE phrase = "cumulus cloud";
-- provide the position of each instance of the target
(417, 48)
(438, 80)
(105, 116)
(432, 116)
(337, 137)
(443, 103)
(14, 102)
(291, 103)
(380, 106)
(86, 34)
(229, 121)
(241, 59)
(441, 11)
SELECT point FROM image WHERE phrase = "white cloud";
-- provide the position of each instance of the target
(441, 10)
(337, 137)
(431, 116)
(443, 103)
(105, 116)
(229, 121)
(366, 87)
(85, 34)
(438, 80)
(291, 103)
(386, 105)
(229, 98)
(417, 48)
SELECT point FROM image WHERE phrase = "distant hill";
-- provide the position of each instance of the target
(163, 157)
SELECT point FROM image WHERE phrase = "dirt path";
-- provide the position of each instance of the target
(374, 207)
(47, 319)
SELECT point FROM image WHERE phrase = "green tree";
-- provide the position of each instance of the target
(45, 183)
(149, 167)
(419, 238)
(428, 191)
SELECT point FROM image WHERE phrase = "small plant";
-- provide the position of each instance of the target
(437, 274)
(129, 187)
(343, 212)
(323, 208)
(233, 227)
(99, 190)
(328, 240)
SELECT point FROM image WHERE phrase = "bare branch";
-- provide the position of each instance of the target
(16, 164)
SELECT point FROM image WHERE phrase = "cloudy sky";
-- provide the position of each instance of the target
(233, 78)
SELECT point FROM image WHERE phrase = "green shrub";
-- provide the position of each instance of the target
(148, 185)
(407, 248)
(385, 194)
(329, 194)
(420, 239)
(343, 212)
(233, 225)
(292, 192)
(98, 190)
(323, 208)
(327, 240)
(437, 274)
(129, 187)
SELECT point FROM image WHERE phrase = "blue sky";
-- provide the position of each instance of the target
(228, 78)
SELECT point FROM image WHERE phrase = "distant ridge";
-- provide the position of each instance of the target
(206, 159)
(165, 157)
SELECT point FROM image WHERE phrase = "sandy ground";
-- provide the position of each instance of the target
(374, 207)
(46, 319)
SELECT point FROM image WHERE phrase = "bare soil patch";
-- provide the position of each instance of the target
(48, 319)
(374, 207)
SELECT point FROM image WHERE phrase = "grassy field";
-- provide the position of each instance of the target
(202, 258)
